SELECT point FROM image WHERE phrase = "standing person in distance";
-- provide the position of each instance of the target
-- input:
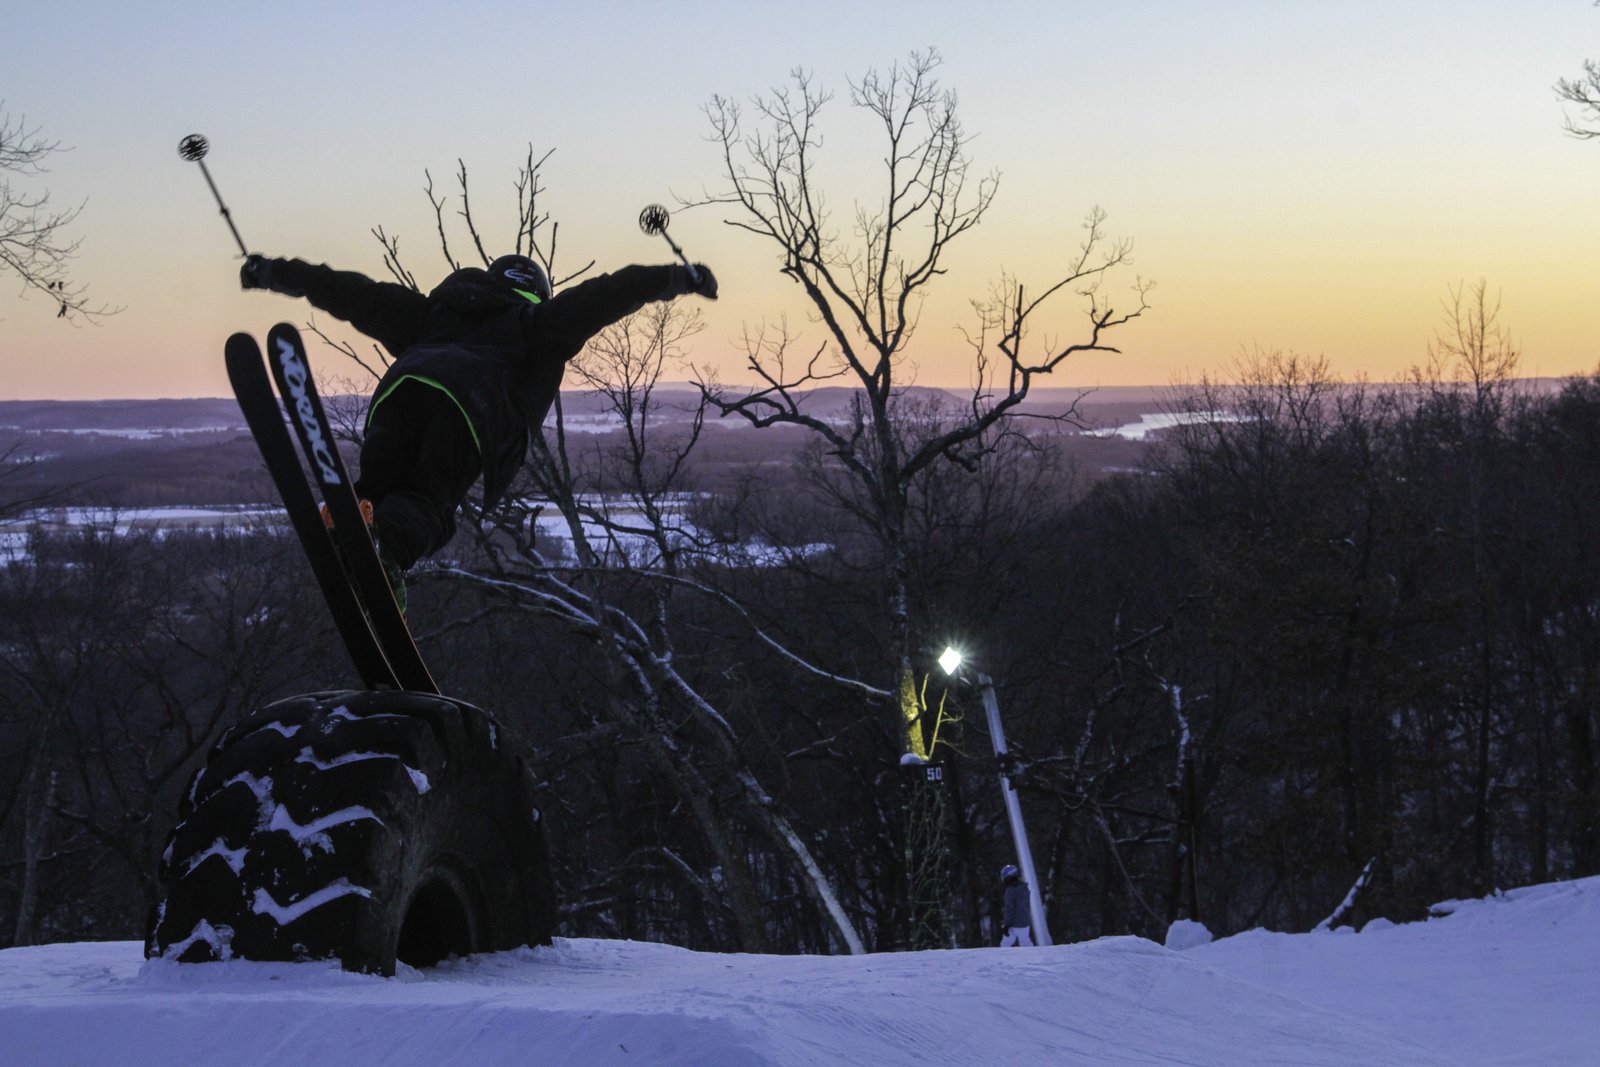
(477, 363)
(1015, 916)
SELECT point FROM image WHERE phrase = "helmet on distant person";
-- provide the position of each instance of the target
(524, 275)
(1008, 871)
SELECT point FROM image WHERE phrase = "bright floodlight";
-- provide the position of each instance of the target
(950, 660)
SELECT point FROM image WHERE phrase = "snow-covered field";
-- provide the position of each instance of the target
(1510, 980)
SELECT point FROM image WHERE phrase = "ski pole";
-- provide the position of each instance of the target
(194, 148)
(653, 219)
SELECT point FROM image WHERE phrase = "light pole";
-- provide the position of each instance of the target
(950, 660)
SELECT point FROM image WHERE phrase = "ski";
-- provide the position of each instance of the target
(286, 355)
(253, 389)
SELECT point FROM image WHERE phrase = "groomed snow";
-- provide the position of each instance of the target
(1511, 980)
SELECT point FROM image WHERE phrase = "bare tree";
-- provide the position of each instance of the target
(683, 731)
(1474, 347)
(1475, 350)
(34, 241)
(122, 656)
(1584, 92)
(867, 289)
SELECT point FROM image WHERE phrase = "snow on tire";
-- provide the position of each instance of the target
(364, 826)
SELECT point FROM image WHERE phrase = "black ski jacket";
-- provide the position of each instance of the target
(496, 354)
(1017, 909)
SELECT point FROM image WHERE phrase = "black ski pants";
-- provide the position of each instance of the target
(417, 463)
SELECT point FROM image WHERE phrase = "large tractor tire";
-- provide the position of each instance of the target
(363, 826)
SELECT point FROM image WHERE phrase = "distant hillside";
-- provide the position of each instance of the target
(197, 452)
(1097, 406)
(221, 413)
(210, 413)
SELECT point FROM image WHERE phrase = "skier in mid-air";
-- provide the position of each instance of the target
(477, 363)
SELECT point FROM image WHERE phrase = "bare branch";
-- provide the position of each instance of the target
(34, 245)
(438, 203)
(348, 350)
(1584, 92)
(391, 260)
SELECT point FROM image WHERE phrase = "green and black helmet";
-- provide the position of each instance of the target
(524, 275)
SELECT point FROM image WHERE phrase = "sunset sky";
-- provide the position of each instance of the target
(1298, 176)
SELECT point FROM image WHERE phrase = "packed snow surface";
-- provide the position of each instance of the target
(1509, 980)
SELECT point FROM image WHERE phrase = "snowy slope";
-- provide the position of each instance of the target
(1514, 979)
(1510, 980)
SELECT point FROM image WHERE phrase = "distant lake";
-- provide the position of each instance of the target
(1149, 424)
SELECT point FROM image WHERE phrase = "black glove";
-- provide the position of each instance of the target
(256, 273)
(707, 285)
(276, 275)
(685, 282)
